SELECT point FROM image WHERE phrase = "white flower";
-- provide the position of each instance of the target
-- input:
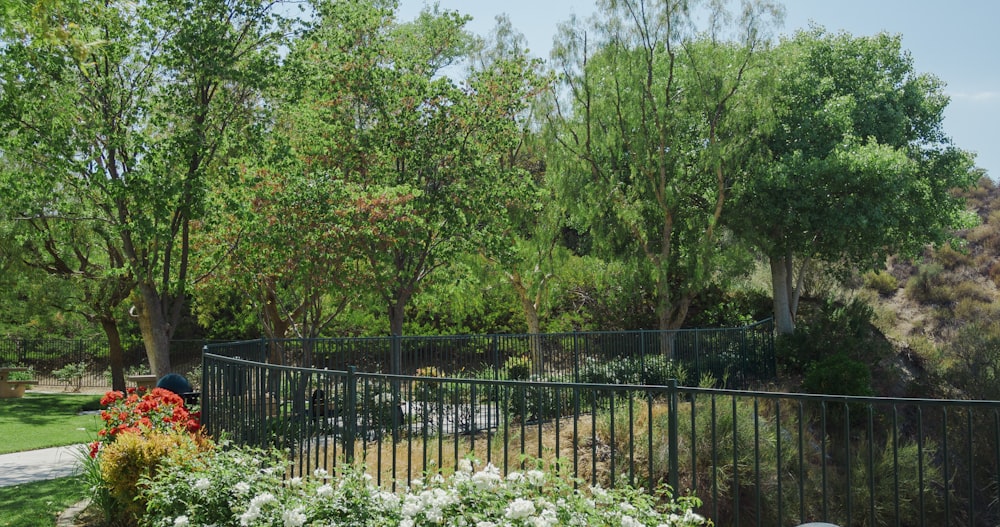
(202, 484)
(693, 517)
(628, 521)
(547, 518)
(464, 465)
(485, 524)
(321, 473)
(242, 487)
(411, 506)
(181, 521)
(520, 509)
(294, 482)
(488, 478)
(293, 518)
(536, 477)
(261, 499)
(249, 516)
(515, 477)
(406, 523)
(325, 491)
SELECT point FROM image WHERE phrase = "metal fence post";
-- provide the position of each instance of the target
(672, 440)
(351, 414)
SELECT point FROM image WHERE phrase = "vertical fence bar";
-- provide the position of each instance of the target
(672, 440)
(350, 423)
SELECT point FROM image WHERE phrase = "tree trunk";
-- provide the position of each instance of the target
(397, 315)
(781, 287)
(116, 355)
(534, 325)
(155, 329)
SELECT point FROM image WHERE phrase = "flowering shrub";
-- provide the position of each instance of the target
(136, 411)
(244, 488)
(141, 429)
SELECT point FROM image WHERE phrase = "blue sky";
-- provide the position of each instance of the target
(957, 41)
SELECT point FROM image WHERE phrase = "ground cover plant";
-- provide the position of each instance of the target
(39, 503)
(46, 420)
(234, 486)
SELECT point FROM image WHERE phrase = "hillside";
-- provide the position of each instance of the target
(939, 312)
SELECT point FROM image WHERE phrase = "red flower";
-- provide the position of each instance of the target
(110, 397)
(94, 447)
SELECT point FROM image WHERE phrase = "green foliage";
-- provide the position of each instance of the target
(952, 258)
(975, 365)
(218, 489)
(71, 375)
(127, 462)
(517, 368)
(882, 282)
(654, 370)
(831, 329)
(897, 475)
(930, 285)
(838, 374)
(644, 171)
(716, 307)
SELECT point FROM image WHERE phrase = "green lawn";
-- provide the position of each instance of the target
(46, 420)
(38, 504)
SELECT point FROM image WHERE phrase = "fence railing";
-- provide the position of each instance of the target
(737, 357)
(45, 356)
(754, 458)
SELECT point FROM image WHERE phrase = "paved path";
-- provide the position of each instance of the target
(38, 465)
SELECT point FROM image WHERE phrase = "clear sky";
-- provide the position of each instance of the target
(957, 41)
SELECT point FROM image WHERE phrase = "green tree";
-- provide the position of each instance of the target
(126, 136)
(418, 153)
(656, 118)
(277, 236)
(858, 166)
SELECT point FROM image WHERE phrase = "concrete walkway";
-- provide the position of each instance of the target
(38, 465)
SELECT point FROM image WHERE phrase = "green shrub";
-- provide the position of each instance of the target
(517, 368)
(896, 476)
(882, 282)
(832, 329)
(950, 257)
(928, 285)
(838, 375)
(133, 457)
(71, 375)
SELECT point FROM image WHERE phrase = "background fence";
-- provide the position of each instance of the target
(754, 458)
(738, 357)
(45, 356)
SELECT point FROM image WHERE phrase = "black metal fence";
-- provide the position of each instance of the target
(754, 458)
(737, 357)
(86, 362)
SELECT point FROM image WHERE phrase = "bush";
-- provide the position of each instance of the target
(882, 282)
(950, 257)
(239, 487)
(838, 375)
(133, 457)
(71, 375)
(140, 429)
(928, 285)
(835, 328)
(516, 368)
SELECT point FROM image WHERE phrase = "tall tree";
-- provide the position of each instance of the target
(418, 153)
(133, 127)
(656, 119)
(858, 166)
(277, 236)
